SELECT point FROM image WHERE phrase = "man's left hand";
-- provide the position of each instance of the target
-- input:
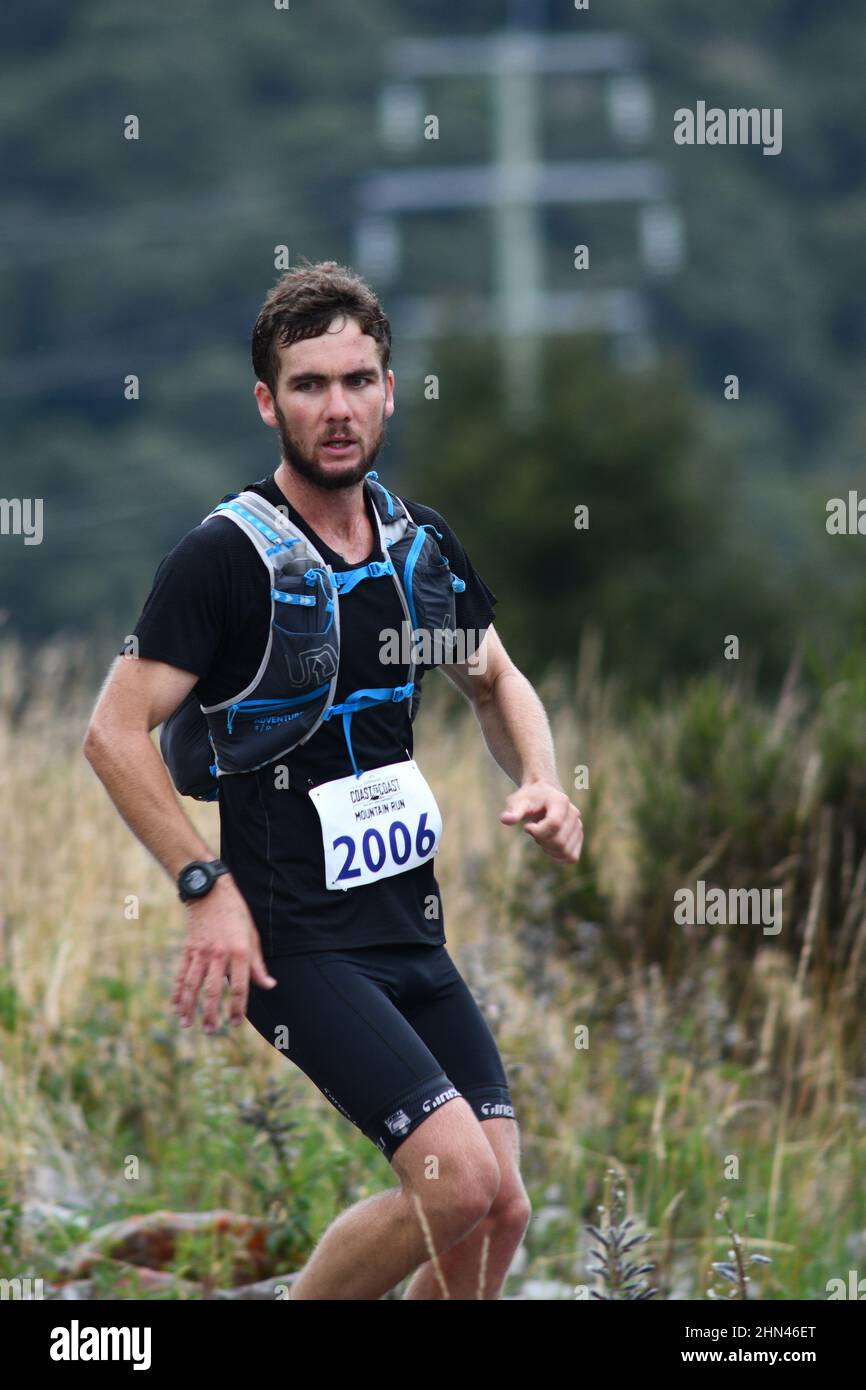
(551, 819)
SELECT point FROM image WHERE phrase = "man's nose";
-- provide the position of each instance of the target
(337, 405)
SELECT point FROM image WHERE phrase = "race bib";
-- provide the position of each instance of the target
(381, 823)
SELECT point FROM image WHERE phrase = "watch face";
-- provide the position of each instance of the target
(195, 880)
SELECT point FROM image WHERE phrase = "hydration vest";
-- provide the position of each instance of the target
(292, 692)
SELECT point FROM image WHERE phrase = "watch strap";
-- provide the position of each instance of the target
(216, 867)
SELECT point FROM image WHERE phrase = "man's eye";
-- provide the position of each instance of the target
(355, 381)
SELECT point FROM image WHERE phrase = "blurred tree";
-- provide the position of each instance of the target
(660, 569)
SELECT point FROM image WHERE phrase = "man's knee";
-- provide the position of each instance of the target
(449, 1166)
(510, 1213)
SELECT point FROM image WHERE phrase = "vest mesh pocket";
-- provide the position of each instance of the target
(435, 609)
(301, 606)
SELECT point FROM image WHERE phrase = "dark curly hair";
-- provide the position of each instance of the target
(302, 305)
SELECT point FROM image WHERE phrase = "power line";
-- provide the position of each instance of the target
(514, 185)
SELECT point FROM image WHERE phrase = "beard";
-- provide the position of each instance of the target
(309, 467)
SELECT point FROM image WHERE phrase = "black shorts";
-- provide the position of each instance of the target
(387, 1033)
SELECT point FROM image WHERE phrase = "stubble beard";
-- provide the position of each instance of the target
(309, 467)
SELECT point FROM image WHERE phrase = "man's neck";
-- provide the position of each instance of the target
(338, 509)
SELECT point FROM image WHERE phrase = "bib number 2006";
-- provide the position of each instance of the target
(384, 822)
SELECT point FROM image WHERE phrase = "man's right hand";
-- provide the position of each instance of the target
(222, 943)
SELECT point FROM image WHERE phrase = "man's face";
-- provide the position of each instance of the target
(330, 387)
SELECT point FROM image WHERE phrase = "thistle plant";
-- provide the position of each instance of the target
(267, 1115)
(620, 1276)
(733, 1270)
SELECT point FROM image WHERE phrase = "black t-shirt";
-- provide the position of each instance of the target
(208, 613)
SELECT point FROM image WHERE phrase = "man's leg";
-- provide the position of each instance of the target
(447, 1017)
(502, 1229)
(376, 1243)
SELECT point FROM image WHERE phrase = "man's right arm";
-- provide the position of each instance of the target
(222, 939)
(137, 695)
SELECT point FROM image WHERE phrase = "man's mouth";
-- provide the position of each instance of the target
(338, 444)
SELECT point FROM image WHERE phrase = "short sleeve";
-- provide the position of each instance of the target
(184, 615)
(475, 606)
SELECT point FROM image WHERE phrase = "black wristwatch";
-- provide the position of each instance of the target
(198, 878)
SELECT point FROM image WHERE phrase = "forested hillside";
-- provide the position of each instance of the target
(149, 257)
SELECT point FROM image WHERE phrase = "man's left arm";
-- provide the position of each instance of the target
(517, 732)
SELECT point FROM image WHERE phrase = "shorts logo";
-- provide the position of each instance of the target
(488, 1108)
(398, 1122)
(440, 1099)
(333, 1099)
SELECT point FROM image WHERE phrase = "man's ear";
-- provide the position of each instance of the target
(265, 402)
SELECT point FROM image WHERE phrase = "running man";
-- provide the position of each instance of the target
(323, 911)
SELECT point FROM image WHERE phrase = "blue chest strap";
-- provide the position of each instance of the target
(345, 580)
(363, 699)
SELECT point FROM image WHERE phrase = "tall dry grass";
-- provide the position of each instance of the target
(722, 1066)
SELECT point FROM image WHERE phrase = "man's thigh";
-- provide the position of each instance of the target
(332, 1014)
(446, 1016)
